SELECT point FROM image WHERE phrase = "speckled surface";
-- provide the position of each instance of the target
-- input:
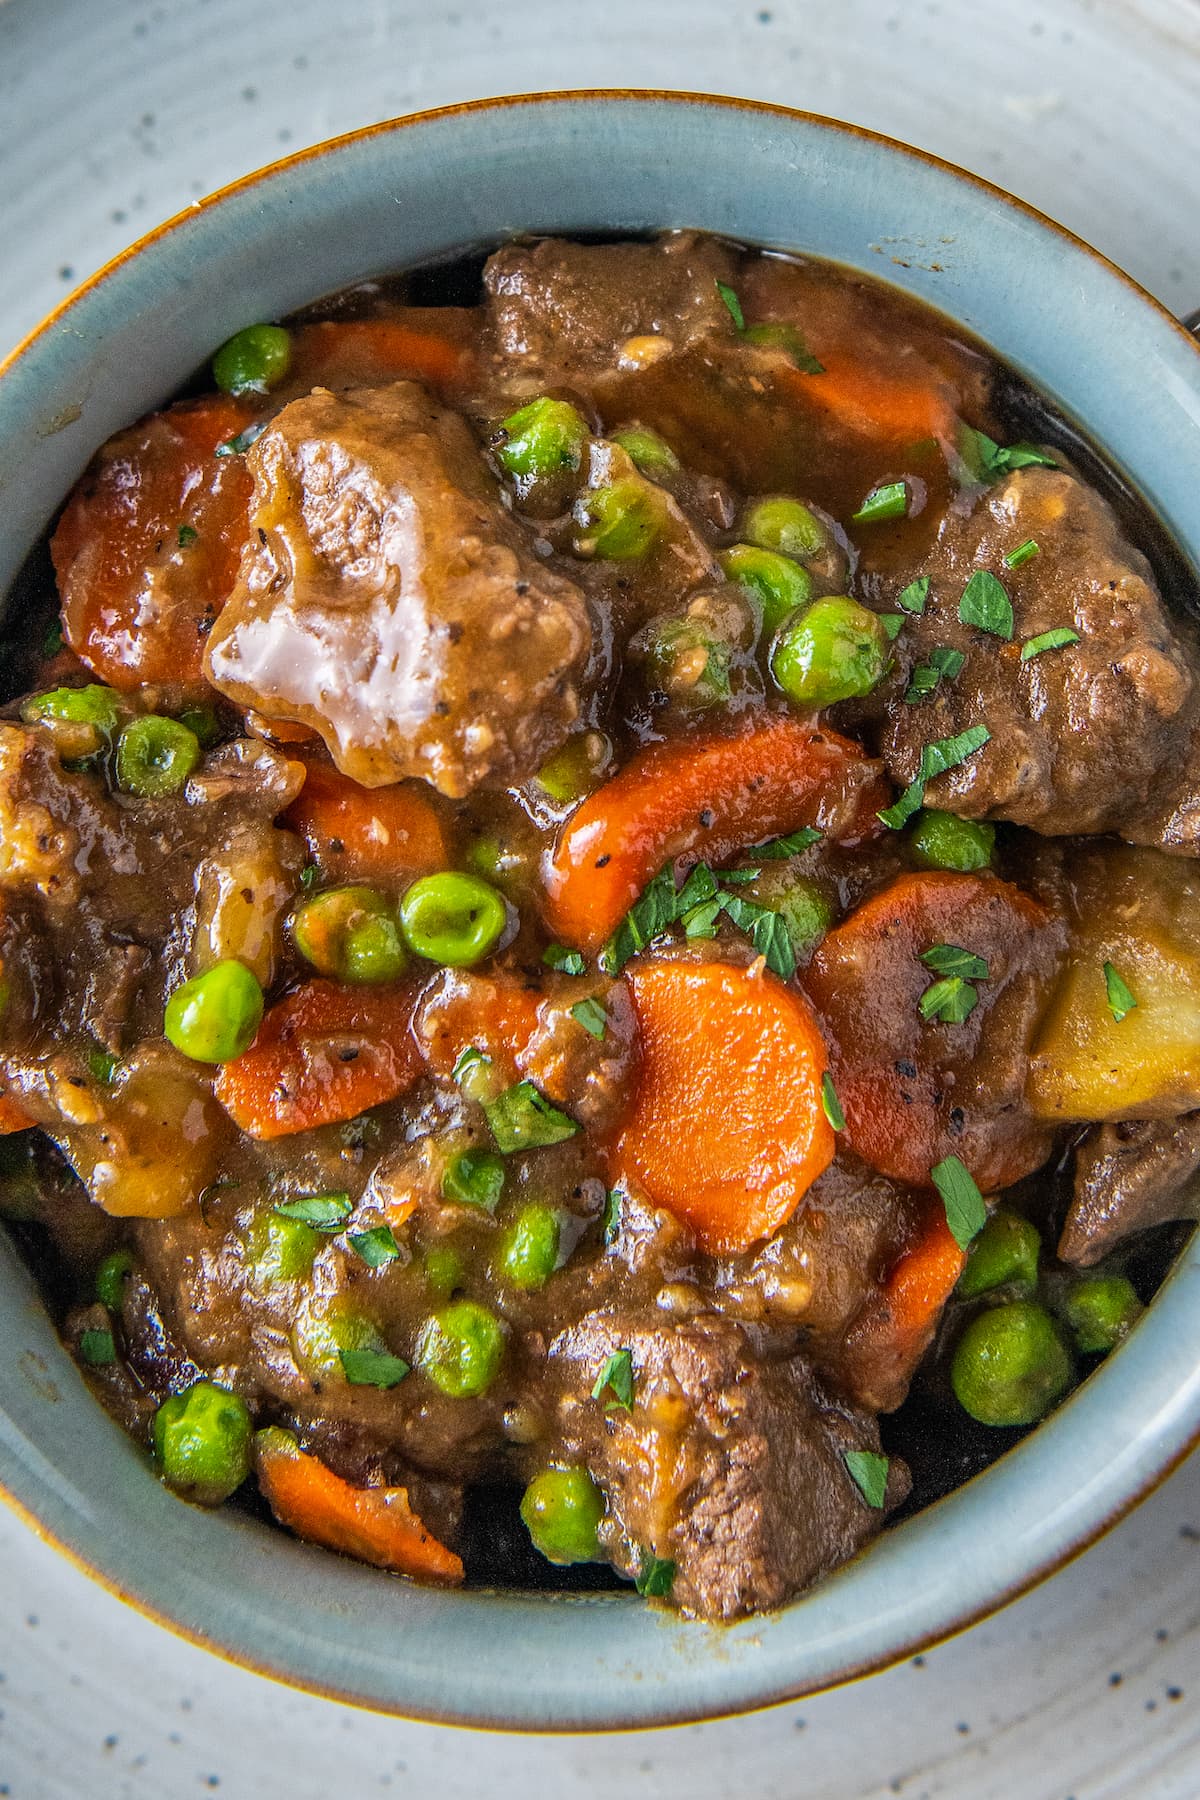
(112, 116)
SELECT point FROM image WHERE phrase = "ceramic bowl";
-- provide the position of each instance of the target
(406, 192)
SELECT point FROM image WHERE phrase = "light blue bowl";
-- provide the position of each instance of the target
(402, 193)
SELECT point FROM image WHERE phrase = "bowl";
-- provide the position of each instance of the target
(406, 192)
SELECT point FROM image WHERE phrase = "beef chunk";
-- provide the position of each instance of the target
(730, 1466)
(561, 313)
(1103, 735)
(387, 601)
(1128, 1177)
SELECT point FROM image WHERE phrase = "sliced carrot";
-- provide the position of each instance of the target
(726, 1128)
(427, 345)
(496, 1015)
(373, 834)
(691, 801)
(323, 1054)
(13, 1117)
(873, 402)
(916, 1091)
(897, 1326)
(148, 547)
(375, 1524)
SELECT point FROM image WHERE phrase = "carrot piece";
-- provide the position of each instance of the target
(726, 1127)
(355, 833)
(872, 402)
(493, 1014)
(428, 347)
(897, 1326)
(323, 1054)
(13, 1117)
(375, 1524)
(137, 601)
(914, 1090)
(691, 800)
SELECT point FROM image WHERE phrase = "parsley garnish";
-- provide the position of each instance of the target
(732, 305)
(892, 624)
(652, 913)
(102, 1066)
(887, 502)
(611, 1218)
(617, 1377)
(966, 1215)
(523, 1119)
(567, 962)
(950, 959)
(309, 875)
(868, 1470)
(830, 1104)
(591, 1015)
(97, 1349)
(912, 598)
(372, 1368)
(237, 446)
(52, 643)
(701, 921)
(925, 677)
(187, 534)
(766, 931)
(936, 758)
(376, 1247)
(780, 848)
(324, 1212)
(986, 605)
(1120, 1000)
(697, 904)
(951, 1000)
(1012, 559)
(1058, 639)
(777, 335)
(701, 884)
(655, 1577)
(986, 460)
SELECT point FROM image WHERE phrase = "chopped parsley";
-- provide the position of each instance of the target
(780, 848)
(376, 1247)
(1012, 559)
(591, 1015)
(943, 662)
(950, 959)
(892, 623)
(911, 599)
(474, 1178)
(52, 643)
(309, 875)
(732, 305)
(831, 1106)
(701, 921)
(951, 999)
(986, 605)
(868, 1470)
(936, 758)
(766, 930)
(887, 502)
(1120, 999)
(567, 962)
(187, 534)
(617, 1377)
(986, 460)
(1058, 639)
(523, 1119)
(697, 904)
(611, 1218)
(372, 1368)
(102, 1066)
(97, 1349)
(778, 335)
(654, 912)
(966, 1214)
(237, 446)
(324, 1212)
(655, 1577)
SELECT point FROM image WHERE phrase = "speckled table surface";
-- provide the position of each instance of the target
(114, 115)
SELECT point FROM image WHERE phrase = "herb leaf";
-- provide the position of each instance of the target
(97, 1349)
(1023, 553)
(237, 446)
(701, 921)
(649, 916)
(732, 304)
(568, 962)
(187, 534)
(700, 885)
(372, 1368)
(780, 848)
(611, 1219)
(766, 930)
(951, 999)
(324, 1212)
(523, 1119)
(911, 599)
(831, 1106)
(985, 604)
(936, 758)
(591, 1015)
(950, 959)
(966, 1214)
(1120, 1000)
(656, 1576)
(309, 875)
(985, 460)
(777, 335)
(617, 1377)
(1058, 639)
(868, 1470)
(376, 1247)
(943, 661)
(102, 1066)
(887, 502)
(892, 623)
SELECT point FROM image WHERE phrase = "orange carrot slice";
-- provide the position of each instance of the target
(429, 346)
(366, 834)
(897, 1326)
(872, 402)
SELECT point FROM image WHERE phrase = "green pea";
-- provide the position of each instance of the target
(529, 1249)
(621, 523)
(1004, 1254)
(475, 1178)
(542, 440)
(804, 906)
(155, 756)
(213, 1017)
(689, 663)
(650, 454)
(202, 1442)
(776, 582)
(254, 360)
(203, 723)
(1099, 1311)
(461, 1348)
(82, 720)
(940, 840)
(834, 650)
(780, 523)
(352, 934)
(452, 919)
(112, 1274)
(576, 769)
(281, 1249)
(562, 1510)
(1011, 1365)
(320, 1335)
(444, 1270)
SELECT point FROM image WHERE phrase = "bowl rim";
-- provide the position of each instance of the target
(663, 1710)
